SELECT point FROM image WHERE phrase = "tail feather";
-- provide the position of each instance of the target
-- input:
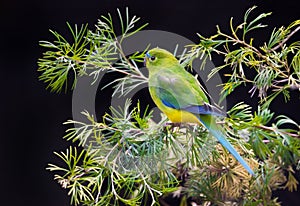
(215, 131)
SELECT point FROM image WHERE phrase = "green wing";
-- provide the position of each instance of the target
(178, 89)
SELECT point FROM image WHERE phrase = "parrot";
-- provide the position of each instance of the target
(180, 96)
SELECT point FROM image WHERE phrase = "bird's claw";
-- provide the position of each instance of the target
(173, 124)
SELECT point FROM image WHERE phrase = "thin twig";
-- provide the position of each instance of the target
(273, 130)
(286, 39)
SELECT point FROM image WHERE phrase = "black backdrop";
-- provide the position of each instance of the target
(31, 117)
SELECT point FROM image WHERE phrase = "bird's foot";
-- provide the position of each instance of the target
(172, 124)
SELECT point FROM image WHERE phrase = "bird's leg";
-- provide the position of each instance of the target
(173, 124)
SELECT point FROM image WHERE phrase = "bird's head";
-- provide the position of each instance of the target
(157, 59)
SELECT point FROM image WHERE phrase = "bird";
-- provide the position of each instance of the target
(180, 96)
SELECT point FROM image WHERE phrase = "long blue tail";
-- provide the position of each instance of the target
(215, 131)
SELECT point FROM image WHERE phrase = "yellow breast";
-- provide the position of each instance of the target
(174, 115)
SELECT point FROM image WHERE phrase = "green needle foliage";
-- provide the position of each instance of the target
(276, 64)
(128, 159)
(89, 53)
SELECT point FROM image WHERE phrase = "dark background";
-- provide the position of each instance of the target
(31, 117)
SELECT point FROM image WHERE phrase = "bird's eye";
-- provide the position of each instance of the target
(152, 58)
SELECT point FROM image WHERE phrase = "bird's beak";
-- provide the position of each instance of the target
(147, 55)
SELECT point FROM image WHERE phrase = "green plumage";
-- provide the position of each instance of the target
(179, 95)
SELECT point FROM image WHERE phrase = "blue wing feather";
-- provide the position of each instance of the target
(196, 109)
(204, 109)
(168, 104)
